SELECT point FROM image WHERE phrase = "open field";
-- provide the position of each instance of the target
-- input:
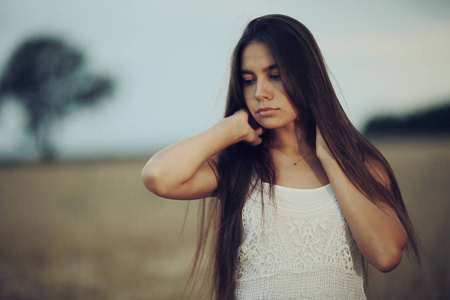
(92, 231)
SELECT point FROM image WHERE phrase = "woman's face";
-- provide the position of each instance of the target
(263, 88)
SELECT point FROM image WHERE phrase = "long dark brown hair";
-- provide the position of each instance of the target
(307, 84)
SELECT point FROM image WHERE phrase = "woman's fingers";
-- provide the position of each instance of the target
(257, 138)
(254, 138)
(322, 149)
(255, 131)
(319, 138)
(256, 141)
(259, 131)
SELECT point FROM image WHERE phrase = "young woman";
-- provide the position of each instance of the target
(303, 199)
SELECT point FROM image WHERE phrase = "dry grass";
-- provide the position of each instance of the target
(422, 168)
(92, 231)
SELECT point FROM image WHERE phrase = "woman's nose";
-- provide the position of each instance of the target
(263, 90)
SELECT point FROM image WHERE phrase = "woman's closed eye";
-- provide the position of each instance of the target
(275, 76)
(248, 80)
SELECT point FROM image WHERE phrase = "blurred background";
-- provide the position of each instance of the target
(89, 90)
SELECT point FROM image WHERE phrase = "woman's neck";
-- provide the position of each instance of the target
(291, 139)
(294, 158)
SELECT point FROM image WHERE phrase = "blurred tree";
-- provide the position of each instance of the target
(49, 78)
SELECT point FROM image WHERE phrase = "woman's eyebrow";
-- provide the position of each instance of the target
(266, 69)
(270, 68)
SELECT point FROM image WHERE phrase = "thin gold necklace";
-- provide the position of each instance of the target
(296, 161)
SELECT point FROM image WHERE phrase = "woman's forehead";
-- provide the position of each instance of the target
(256, 56)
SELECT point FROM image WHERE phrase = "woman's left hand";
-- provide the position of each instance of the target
(322, 150)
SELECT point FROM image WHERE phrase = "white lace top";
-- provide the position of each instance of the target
(301, 249)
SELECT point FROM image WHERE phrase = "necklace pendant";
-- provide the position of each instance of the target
(295, 163)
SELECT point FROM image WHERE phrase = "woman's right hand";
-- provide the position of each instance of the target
(249, 126)
(183, 171)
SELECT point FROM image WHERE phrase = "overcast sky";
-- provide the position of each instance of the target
(170, 60)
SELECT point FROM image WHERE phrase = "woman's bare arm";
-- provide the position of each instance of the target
(377, 229)
(181, 171)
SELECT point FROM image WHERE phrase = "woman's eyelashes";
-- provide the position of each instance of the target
(275, 76)
(248, 80)
(251, 80)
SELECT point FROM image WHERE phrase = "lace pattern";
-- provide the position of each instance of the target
(297, 247)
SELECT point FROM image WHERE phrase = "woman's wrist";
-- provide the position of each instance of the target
(325, 157)
(238, 123)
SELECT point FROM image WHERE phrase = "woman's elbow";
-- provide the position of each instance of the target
(392, 256)
(389, 261)
(153, 181)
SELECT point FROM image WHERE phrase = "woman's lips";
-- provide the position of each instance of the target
(266, 111)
